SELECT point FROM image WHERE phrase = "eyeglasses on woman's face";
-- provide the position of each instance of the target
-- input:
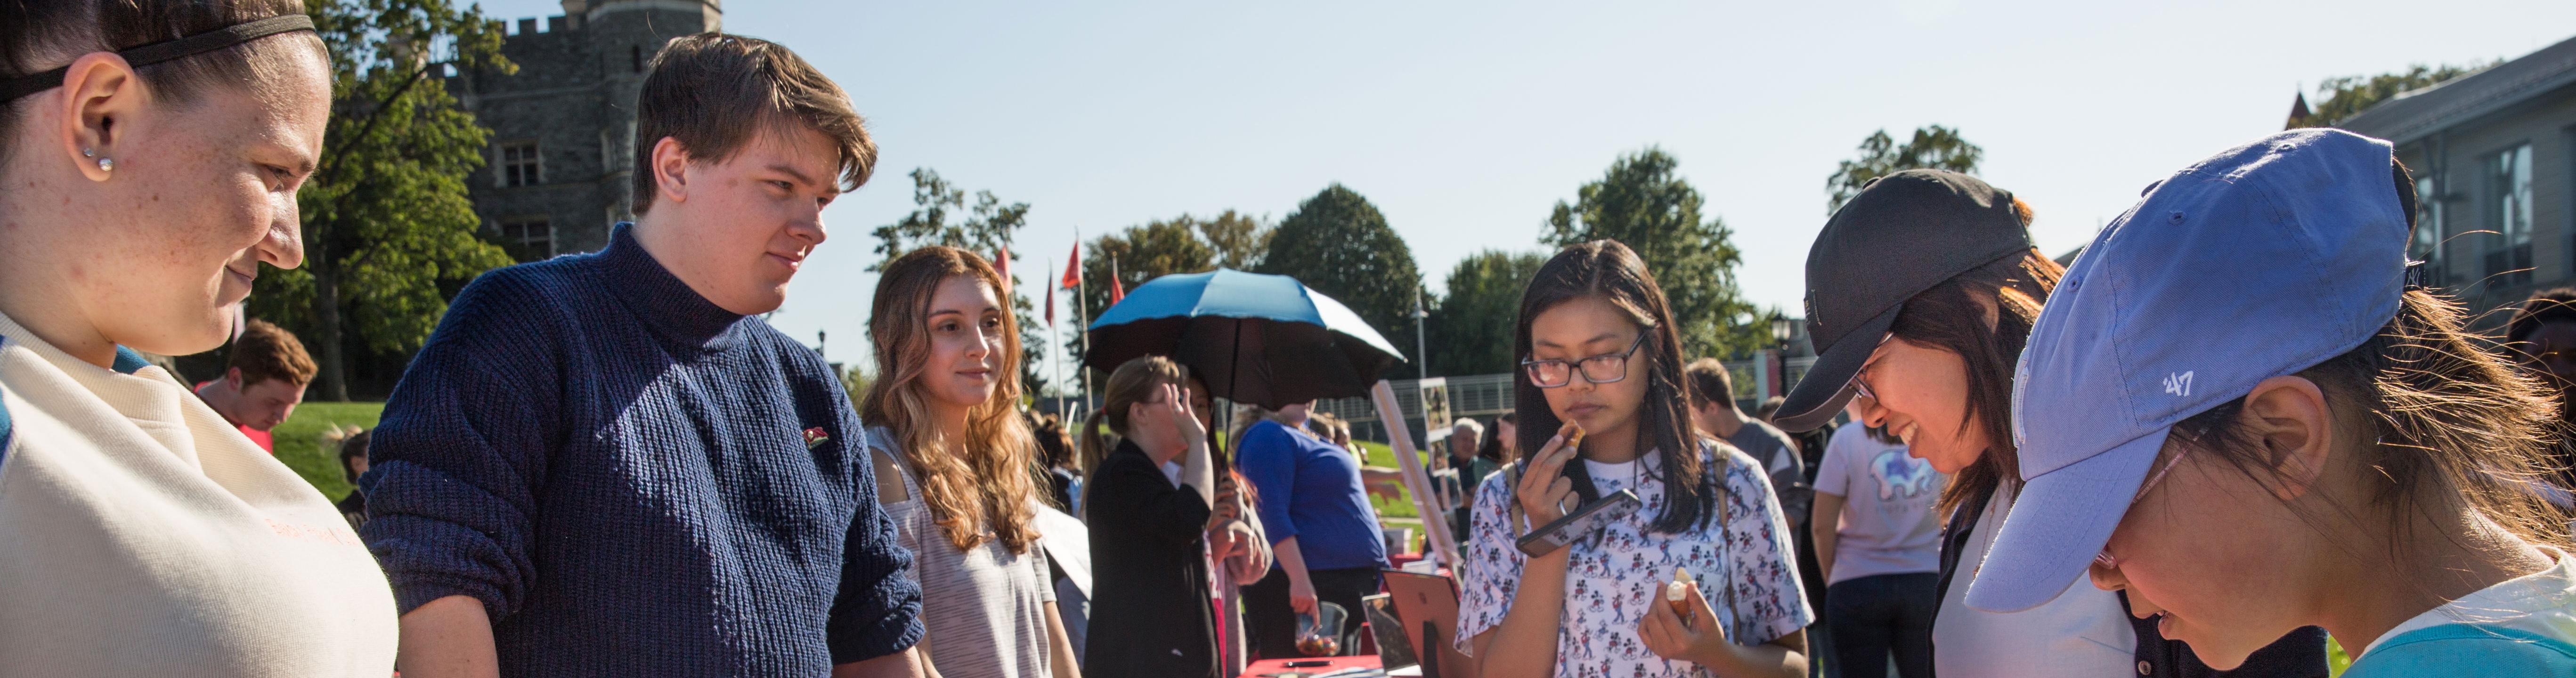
(1600, 369)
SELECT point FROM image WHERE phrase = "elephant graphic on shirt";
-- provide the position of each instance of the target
(1900, 475)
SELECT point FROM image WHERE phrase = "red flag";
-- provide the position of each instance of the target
(1117, 289)
(1073, 268)
(1050, 302)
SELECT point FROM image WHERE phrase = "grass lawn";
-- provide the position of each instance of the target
(299, 442)
(1399, 511)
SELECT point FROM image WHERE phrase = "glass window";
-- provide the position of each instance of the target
(2509, 215)
(2428, 230)
(520, 165)
(532, 237)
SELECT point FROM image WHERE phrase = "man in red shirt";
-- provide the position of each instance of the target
(262, 383)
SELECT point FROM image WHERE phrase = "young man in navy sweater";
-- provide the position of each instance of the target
(604, 465)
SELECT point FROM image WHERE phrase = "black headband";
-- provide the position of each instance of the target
(146, 55)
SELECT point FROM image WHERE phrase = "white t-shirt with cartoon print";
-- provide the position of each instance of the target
(1613, 577)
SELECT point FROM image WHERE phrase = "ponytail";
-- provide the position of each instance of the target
(1095, 446)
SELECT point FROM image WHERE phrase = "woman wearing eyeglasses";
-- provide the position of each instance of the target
(1920, 294)
(1601, 355)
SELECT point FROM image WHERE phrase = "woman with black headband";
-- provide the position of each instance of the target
(152, 150)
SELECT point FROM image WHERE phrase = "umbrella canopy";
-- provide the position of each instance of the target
(1261, 339)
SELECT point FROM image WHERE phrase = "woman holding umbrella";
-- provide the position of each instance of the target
(1242, 332)
(1150, 501)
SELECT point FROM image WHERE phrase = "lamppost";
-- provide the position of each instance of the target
(1781, 330)
(1421, 360)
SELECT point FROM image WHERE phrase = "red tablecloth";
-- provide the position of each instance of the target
(1274, 667)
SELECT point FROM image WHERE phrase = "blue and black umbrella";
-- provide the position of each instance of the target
(1261, 339)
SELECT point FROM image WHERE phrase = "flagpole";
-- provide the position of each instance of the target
(1055, 352)
(1082, 306)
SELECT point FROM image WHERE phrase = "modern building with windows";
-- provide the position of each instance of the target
(2494, 159)
(563, 127)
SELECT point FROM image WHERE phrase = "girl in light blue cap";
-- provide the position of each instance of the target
(2237, 409)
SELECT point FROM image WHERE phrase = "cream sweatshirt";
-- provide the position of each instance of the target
(141, 535)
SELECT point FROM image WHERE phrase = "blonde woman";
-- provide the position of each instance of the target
(955, 464)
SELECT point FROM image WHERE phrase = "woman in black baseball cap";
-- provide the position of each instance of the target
(1920, 294)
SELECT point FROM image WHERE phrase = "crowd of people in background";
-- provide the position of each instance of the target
(2234, 426)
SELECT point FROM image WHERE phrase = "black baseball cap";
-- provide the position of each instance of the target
(1903, 234)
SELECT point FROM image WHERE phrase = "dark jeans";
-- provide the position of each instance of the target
(1871, 617)
(1272, 625)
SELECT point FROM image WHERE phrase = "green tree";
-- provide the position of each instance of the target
(2340, 98)
(1239, 239)
(389, 232)
(1643, 202)
(1471, 330)
(1339, 244)
(1933, 147)
(940, 217)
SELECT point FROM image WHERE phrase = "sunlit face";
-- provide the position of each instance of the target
(967, 341)
(262, 406)
(200, 194)
(753, 218)
(1581, 328)
(1921, 396)
(2214, 553)
(1507, 434)
(1463, 441)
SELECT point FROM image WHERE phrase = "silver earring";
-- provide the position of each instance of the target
(86, 153)
(106, 165)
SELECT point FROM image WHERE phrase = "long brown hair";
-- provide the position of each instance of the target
(1611, 272)
(1134, 381)
(1952, 316)
(988, 479)
(2449, 419)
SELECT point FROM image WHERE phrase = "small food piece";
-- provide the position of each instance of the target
(1677, 594)
(1574, 441)
(1319, 646)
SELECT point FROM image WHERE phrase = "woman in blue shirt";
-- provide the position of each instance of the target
(1323, 533)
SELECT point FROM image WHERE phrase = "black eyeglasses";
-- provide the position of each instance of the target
(1600, 369)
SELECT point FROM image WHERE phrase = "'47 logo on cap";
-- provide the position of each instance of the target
(2178, 384)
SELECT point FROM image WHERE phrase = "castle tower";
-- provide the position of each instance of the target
(562, 148)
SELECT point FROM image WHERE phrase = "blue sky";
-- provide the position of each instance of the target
(1465, 122)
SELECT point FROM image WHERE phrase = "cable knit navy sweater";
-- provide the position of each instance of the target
(617, 468)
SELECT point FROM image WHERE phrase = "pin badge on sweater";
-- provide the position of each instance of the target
(815, 437)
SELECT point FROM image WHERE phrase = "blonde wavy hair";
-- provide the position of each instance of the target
(989, 479)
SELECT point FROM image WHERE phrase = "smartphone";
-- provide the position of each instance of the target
(1583, 521)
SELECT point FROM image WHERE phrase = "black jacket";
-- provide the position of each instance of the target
(1150, 613)
(2302, 654)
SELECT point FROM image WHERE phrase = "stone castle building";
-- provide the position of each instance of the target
(561, 160)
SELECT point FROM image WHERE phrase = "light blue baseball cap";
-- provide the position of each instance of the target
(2263, 260)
